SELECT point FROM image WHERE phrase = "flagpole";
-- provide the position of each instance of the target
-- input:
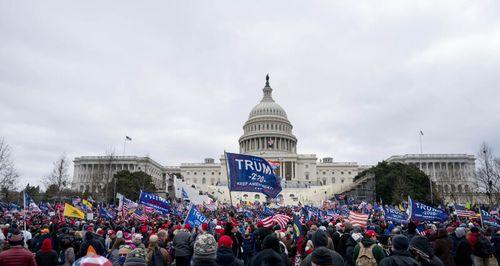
(24, 206)
(228, 183)
(124, 142)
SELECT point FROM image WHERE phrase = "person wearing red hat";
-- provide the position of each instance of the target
(46, 255)
(367, 250)
(225, 255)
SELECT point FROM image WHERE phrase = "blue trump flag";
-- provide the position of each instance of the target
(394, 215)
(156, 202)
(488, 219)
(252, 174)
(195, 218)
(297, 227)
(421, 212)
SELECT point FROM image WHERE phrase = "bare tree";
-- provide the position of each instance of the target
(8, 173)
(488, 173)
(59, 176)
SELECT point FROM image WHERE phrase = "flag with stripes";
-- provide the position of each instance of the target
(358, 219)
(279, 219)
(461, 211)
(139, 215)
(185, 196)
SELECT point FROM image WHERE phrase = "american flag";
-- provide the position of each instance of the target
(461, 211)
(358, 219)
(139, 215)
(280, 219)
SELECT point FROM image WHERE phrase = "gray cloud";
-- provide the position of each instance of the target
(358, 80)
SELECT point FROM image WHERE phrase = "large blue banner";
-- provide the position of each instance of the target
(395, 216)
(195, 218)
(252, 174)
(421, 212)
(156, 202)
(489, 220)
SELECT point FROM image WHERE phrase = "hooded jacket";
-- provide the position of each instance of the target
(378, 251)
(46, 255)
(320, 239)
(225, 257)
(399, 258)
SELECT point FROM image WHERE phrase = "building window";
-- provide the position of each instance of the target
(324, 173)
(213, 173)
(245, 196)
(187, 173)
(333, 179)
(203, 181)
(257, 196)
(203, 173)
(307, 166)
(349, 172)
(292, 196)
(307, 176)
(342, 172)
(194, 173)
(195, 180)
(212, 181)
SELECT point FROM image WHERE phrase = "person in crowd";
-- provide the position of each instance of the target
(320, 239)
(248, 245)
(183, 246)
(259, 236)
(122, 255)
(205, 251)
(368, 250)
(495, 240)
(400, 256)
(443, 246)
(270, 253)
(17, 254)
(225, 255)
(113, 255)
(482, 249)
(91, 245)
(422, 251)
(137, 241)
(463, 252)
(136, 257)
(66, 255)
(156, 255)
(46, 255)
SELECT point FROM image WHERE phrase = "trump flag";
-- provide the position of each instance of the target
(252, 174)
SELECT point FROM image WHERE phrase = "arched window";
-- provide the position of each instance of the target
(292, 196)
(467, 189)
(333, 180)
(452, 188)
(459, 188)
(257, 196)
(203, 181)
(245, 196)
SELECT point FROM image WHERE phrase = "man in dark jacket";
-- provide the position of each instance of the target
(270, 253)
(463, 249)
(369, 240)
(183, 246)
(400, 255)
(225, 256)
(421, 250)
(320, 239)
(90, 241)
(259, 235)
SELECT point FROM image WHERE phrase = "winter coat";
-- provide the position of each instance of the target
(268, 257)
(378, 251)
(182, 244)
(442, 248)
(399, 258)
(336, 259)
(164, 254)
(495, 240)
(17, 255)
(349, 250)
(225, 257)
(463, 253)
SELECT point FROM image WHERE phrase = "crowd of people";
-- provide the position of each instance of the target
(230, 237)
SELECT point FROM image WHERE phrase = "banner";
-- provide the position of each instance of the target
(488, 219)
(29, 203)
(252, 174)
(70, 211)
(395, 216)
(420, 212)
(156, 202)
(195, 218)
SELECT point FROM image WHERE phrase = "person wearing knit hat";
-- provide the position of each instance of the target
(321, 257)
(462, 251)
(321, 239)
(17, 254)
(422, 251)
(400, 255)
(156, 255)
(205, 250)
(46, 255)
(225, 255)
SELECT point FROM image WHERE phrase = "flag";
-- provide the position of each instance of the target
(105, 213)
(274, 164)
(29, 203)
(139, 215)
(462, 211)
(392, 214)
(71, 211)
(489, 220)
(279, 219)
(128, 138)
(185, 196)
(87, 203)
(252, 174)
(358, 219)
(297, 227)
(195, 218)
(421, 212)
(158, 203)
(76, 200)
(421, 229)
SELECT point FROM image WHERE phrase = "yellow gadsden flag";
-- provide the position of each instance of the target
(71, 211)
(87, 203)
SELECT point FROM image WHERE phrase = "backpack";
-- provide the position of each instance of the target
(61, 259)
(157, 258)
(484, 248)
(365, 256)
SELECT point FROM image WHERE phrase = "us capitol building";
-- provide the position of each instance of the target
(267, 133)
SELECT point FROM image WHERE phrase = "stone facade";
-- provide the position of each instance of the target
(90, 172)
(453, 174)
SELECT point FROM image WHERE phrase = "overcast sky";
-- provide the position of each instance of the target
(358, 80)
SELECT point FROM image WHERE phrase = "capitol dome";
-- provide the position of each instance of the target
(267, 128)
